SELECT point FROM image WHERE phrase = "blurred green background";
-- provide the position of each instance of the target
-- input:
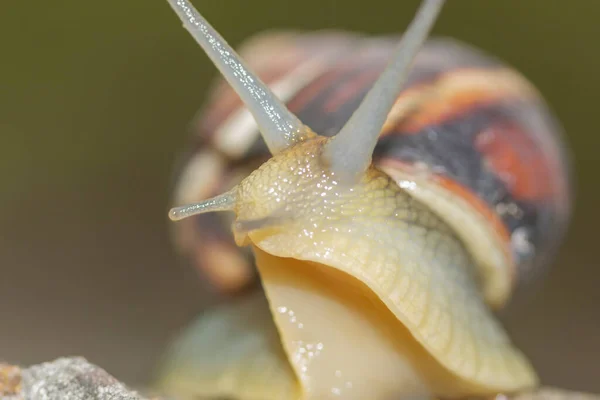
(95, 101)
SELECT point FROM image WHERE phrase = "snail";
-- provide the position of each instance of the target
(392, 192)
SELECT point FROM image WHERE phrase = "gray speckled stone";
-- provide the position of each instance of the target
(70, 379)
(76, 379)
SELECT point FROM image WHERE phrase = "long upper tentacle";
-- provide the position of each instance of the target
(279, 127)
(349, 152)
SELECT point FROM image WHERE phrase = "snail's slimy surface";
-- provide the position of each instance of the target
(373, 294)
(342, 343)
(408, 257)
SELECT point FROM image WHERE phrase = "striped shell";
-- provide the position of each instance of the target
(482, 150)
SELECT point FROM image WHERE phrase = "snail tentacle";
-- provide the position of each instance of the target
(349, 152)
(223, 202)
(279, 127)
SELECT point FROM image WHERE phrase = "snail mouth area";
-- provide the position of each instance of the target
(341, 340)
(405, 291)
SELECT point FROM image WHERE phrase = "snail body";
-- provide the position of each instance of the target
(417, 191)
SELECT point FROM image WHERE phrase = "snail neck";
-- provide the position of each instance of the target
(341, 343)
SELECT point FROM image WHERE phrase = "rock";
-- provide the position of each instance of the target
(76, 379)
(62, 379)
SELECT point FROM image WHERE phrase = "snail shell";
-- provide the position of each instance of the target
(485, 140)
(389, 284)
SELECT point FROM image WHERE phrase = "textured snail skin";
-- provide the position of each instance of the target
(406, 317)
(393, 246)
